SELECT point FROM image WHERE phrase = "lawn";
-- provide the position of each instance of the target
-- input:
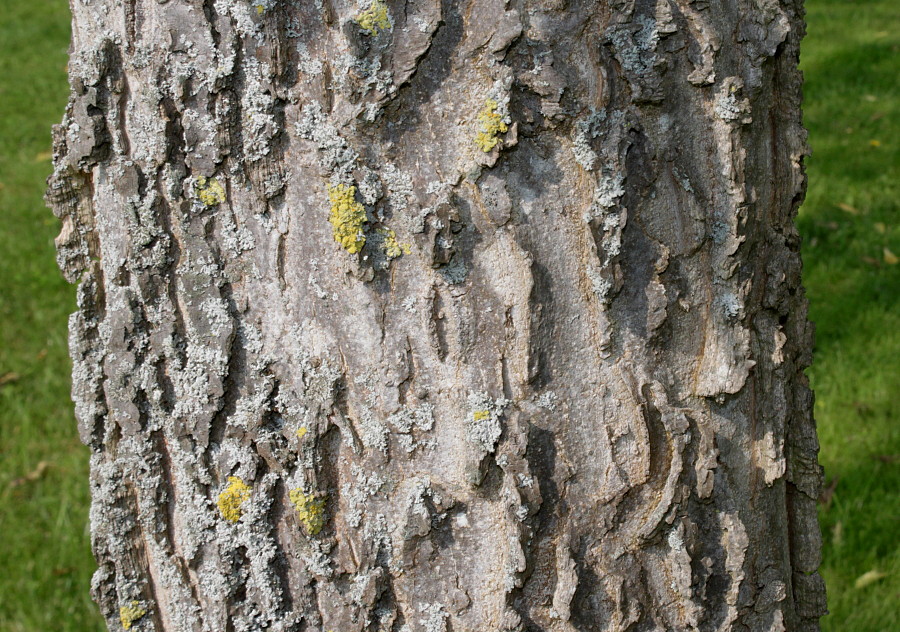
(851, 248)
(851, 231)
(45, 558)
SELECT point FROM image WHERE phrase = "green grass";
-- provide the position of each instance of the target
(850, 61)
(45, 559)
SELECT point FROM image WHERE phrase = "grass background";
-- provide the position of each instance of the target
(851, 232)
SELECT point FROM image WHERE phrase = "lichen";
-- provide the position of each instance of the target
(310, 510)
(209, 191)
(548, 400)
(609, 217)
(391, 247)
(729, 106)
(373, 433)
(370, 187)
(483, 428)
(636, 52)
(400, 186)
(335, 156)
(434, 618)
(231, 498)
(357, 496)
(492, 123)
(600, 283)
(375, 18)
(454, 272)
(730, 305)
(610, 187)
(407, 419)
(301, 432)
(130, 613)
(586, 130)
(347, 218)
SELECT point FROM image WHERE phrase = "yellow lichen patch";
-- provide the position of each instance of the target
(347, 218)
(131, 613)
(310, 510)
(301, 432)
(375, 18)
(481, 415)
(232, 497)
(492, 125)
(210, 191)
(393, 248)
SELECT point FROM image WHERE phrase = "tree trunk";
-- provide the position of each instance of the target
(441, 315)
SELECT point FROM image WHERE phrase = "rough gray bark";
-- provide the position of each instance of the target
(559, 388)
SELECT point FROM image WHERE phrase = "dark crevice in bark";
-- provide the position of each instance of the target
(168, 484)
(283, 52)
(122, 106)
(541, 327)
(136, 559)
(281, 564)
(709, 576)
(406, 384)
(327, 474)
(491, 478)
(234, 115)
(280, 257)
(175, 157)
(504, 372)
(432, 69)
(212, 17)
(438, 324)
(233, 385)
(659, 445)
(542, 463)
(586, 617)
(385, 609)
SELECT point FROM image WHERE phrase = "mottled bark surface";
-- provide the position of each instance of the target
(551, 379)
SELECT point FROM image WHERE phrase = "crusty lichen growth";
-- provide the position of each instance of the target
(347, 217)
(375, 18)
(310, 510)
(393, 248)
(130, 613)
(209, 191)
(483, 427)
(231, 498)
(492, 125)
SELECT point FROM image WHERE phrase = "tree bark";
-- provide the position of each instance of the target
(436, 315)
